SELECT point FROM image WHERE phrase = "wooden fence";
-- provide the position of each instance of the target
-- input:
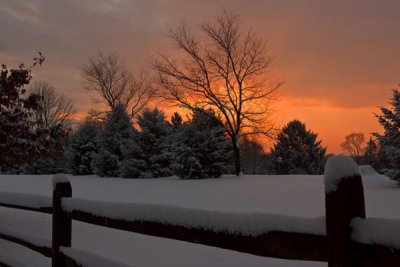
(336, 247)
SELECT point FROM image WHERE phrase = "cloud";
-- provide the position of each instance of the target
(341, 53)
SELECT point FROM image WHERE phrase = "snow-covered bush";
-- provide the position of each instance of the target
(297, 151)
(44, 166)
(106, 164)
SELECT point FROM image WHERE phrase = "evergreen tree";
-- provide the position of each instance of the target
(200, 149)
(176, 120)
(154, 158)
(53, 160)
(297, 151)
(106, 164)
(21, 141)
(82, 148)
(390, 139)
(117, 136)
(371, 154)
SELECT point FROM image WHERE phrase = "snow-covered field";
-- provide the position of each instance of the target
(295, 195)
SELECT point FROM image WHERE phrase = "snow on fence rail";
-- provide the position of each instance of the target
(246, 224)
(343, 238)
(26, 202)
(75, 256)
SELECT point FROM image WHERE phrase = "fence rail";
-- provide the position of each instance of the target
(280, 244)
(336, 247)
(44, 250)
(30, 202)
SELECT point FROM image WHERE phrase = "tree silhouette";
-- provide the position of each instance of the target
(224, 69)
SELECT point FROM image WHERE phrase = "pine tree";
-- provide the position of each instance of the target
(390, 139)
(82, 148)
(201, 149)
(53, 161)
(21, 141)
(106, 164)
(154, 159)
(176, 120)
(371, 154)
(117, 135)
(297, 151)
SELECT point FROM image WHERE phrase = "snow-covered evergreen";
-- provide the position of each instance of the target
(152, 158)
(390, 139)
(297, 151)
(21, 140)
(200, 147)
(54, 138)
(373, 155)
(82, 147)
(117, 135)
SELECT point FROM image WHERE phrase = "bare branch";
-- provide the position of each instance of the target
(109, 77)
(53, 109)
(222, 69)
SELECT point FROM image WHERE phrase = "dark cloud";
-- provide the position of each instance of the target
(334, 50)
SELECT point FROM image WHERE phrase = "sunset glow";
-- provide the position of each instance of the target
(338, 62)
(199, 133)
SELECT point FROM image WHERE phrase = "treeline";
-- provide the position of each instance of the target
(37, 138)
(196, 148)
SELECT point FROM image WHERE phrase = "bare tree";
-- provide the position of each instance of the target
(53, 109)
(354, 145)
(223, 69)
(109, 77)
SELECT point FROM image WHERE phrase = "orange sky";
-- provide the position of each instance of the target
(339, 59)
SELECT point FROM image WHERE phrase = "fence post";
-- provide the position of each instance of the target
(61, 222)
(344, 200)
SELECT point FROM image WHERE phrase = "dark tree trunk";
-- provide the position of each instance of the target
(236, 155)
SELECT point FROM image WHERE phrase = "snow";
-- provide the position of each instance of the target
(25, 236)
(247, 224)
(246, 193)
(377, 231)
(10, 261)
(60, 179)
(24, 199)
(292, 195)
(87, 259)
(337, 168)
(130, 248)
(367, 170)
(16, 255)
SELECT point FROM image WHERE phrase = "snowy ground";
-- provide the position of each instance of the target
(297, 195)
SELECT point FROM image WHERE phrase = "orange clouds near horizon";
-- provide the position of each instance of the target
(331, 122)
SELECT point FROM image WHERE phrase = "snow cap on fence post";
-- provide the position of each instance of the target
(61, 222)
(337, 168)
(59, 178)
(344, 200)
